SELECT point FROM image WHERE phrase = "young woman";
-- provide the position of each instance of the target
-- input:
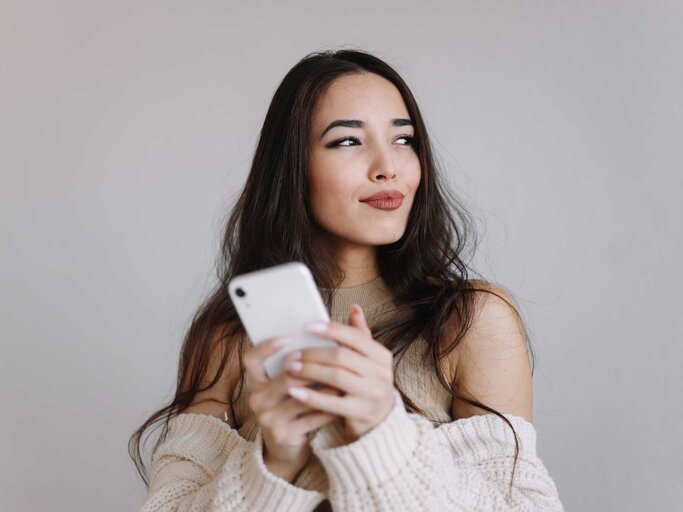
(343, 179)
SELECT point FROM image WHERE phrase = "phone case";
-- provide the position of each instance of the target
(280, 300)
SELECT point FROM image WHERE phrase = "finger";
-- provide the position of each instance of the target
(354, 338)
(334, 376)
(324, 389)
(254, 357)
(343, 357)
(357, 319)
(284, 412)
(275, 391)
(310, 422)
(346, 406)
(289, 410)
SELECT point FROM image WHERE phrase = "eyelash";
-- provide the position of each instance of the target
(410, 141)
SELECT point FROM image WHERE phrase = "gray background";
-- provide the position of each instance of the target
(127, 130)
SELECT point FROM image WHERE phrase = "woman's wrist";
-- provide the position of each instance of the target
(287, 470)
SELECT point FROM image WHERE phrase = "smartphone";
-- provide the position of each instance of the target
(280, 301)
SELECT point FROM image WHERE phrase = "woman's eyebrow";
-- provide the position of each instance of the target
(356, 123)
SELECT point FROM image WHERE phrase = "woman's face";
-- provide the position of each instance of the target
(371, 154)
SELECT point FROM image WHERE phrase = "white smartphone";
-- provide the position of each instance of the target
(280, 301)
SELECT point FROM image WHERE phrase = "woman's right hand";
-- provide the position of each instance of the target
(283, 428)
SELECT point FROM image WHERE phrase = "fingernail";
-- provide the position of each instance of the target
(298, 393)
(294, 366)
(293, 356)
(316, 327)
(281, 341)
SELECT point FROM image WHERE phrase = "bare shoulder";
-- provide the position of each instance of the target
(491, 363)
(215, 400)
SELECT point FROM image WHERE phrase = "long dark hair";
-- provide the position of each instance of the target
(426, 269)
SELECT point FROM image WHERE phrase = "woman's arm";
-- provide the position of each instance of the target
(406, 464)
(204, 464)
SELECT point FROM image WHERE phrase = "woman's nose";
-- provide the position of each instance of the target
(381, 176)
(383, 166)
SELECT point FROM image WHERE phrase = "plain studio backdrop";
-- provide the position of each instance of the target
(127, 130)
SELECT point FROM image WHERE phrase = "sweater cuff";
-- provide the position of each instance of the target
(376, 456)
(265, 491)
(239, 465)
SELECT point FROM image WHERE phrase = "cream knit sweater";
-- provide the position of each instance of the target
(403, 464)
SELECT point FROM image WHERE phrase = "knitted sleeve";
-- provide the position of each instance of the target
(205, 465)
(406, 464)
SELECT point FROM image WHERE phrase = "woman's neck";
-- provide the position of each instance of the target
(359, 264)
(359, 277)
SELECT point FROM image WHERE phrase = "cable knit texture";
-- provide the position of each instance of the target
(406, 463)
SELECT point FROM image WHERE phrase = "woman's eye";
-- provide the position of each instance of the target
(353, 141)
(410, 141)
(340, 142)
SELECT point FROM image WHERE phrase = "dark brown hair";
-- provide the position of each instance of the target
(426, 269)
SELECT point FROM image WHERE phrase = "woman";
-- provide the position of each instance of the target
(391, 420)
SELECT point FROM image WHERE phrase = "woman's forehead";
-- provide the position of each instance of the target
(366, 97)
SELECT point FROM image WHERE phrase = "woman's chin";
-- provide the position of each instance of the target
(384, 239)
(373, 235)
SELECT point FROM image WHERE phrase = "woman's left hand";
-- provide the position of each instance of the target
(361, 368)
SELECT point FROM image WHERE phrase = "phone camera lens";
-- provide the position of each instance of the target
(240, 292)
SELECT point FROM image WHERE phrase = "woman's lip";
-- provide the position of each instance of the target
(385, 204)
(386, 194)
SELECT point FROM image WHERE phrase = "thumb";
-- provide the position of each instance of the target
(357, 318)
